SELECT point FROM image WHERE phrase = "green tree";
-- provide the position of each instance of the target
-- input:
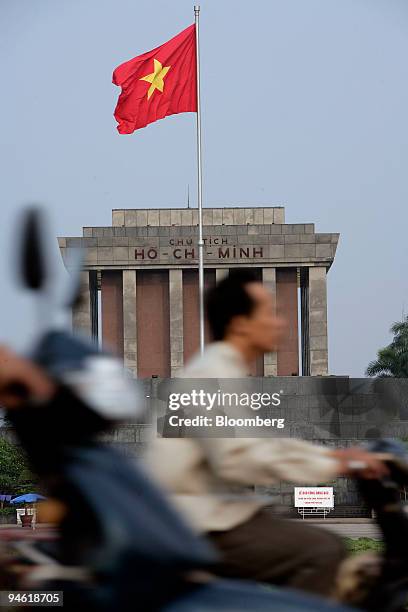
(392, 361)
(15, 475)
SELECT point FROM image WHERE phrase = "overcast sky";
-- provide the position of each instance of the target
(304, 105)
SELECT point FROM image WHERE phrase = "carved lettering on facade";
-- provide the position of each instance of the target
(208, 241)
(223, 252)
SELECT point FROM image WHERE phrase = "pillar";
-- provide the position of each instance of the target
(304, 315)
(93, 291)
(257, 367)
(318, 349)
(176, 321)
(270, 359)
(129, 321)
(81, 311)
(220, 273)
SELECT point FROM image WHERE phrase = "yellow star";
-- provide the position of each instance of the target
(156, 78)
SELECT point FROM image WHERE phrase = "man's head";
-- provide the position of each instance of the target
(240, 308)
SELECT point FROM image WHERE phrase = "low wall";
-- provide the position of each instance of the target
(333, 411)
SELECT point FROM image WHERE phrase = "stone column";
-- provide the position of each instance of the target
(220, 273)
(270, 359)
(176, 321)
(304, 309)
(129, 321)
(93, 290)
(318, 349)
(81, 312)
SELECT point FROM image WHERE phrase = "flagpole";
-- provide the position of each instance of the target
(200, 188)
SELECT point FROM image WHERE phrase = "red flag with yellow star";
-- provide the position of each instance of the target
(158, 83)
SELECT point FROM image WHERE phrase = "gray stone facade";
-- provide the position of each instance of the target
(227, 244)
(166, 239)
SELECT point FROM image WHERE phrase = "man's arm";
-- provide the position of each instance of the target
(266, 461)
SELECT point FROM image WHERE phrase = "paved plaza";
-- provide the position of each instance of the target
(349, 528)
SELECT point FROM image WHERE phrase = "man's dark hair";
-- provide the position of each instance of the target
(229, 299)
